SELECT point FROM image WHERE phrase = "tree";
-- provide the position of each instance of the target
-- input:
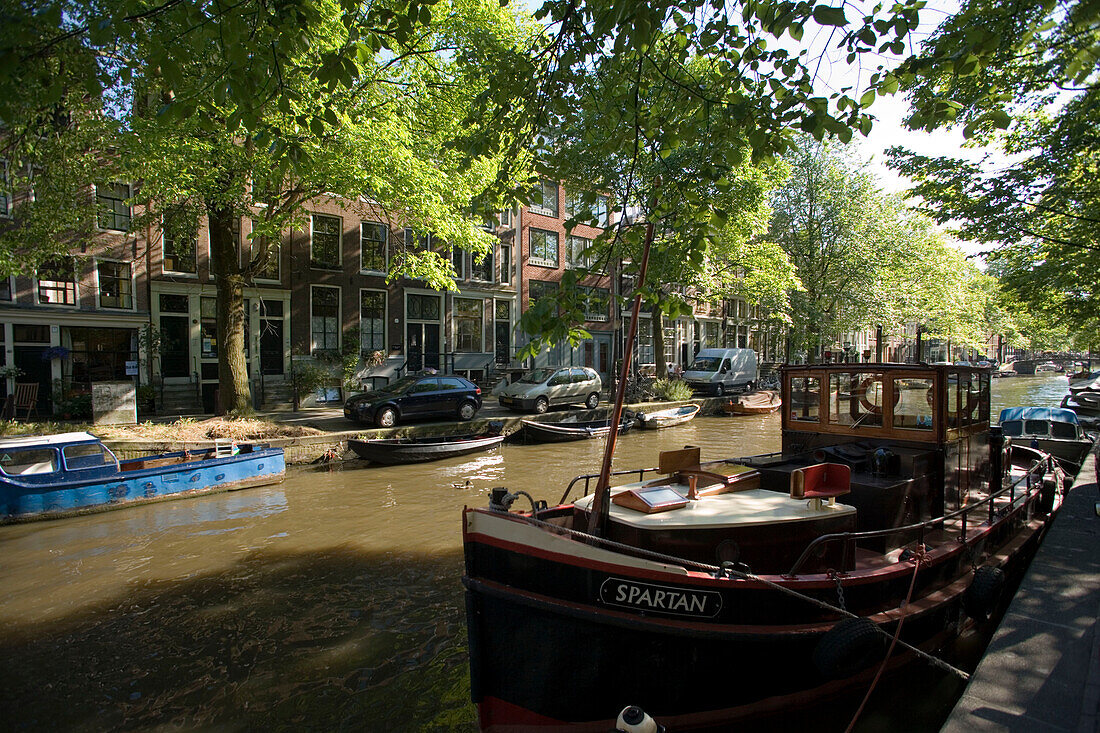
(1024, 79)
(378, 125)
(864, 260)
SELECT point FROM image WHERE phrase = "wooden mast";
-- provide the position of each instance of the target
(601, 501)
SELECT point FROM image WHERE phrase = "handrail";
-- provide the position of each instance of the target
(922, 526)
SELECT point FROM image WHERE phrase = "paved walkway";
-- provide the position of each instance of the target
(1041, 671)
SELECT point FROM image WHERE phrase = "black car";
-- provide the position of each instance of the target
(415, 396)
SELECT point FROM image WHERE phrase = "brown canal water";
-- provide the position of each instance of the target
(331, 601)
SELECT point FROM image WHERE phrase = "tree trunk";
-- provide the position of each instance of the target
(235, 396)
(658, 343)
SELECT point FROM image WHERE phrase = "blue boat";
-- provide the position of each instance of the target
(51, 476)
(1050, 429)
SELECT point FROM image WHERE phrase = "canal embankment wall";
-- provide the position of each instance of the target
(1041, 671)
(334, 440)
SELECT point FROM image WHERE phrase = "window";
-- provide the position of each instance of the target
(505, 218)
(5, 190)
(545, 199)
(482, 269)
(423, 307)
(170, 303)
(469, 317)
(575, 249)
(324, 318)
(710, 334)
(506, 262)
(116, 288)
(373, 240)
(413, 241)
(458, 259)
(180, 253)
(593, 215)
(5, 289)
(372, 320)
(270, 268)
(805, 399)
(208, 327)
(544, 248)
(113, 211)
(541, 288)
(595, 303)
(57, 282)
(324, 245)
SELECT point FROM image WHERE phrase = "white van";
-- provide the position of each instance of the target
(721, 371)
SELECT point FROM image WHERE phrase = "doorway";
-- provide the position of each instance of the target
(423, 345)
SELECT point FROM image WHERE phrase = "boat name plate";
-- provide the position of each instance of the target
(660, 598)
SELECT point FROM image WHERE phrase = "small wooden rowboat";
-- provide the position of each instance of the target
(566, 430)
(667, 418)
(391, 451)
(760, 402)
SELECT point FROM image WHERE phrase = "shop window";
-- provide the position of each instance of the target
(469, 320)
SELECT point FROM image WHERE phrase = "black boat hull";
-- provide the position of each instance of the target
(567, 432)
(398, 451)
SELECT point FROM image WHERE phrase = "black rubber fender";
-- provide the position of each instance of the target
(850, 646)
(984, 592)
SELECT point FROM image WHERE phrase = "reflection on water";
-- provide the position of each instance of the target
(332, 600)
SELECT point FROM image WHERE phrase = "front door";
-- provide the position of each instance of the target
(271, 346)
(423, 345)
(35, 369)
(503, 332)
(175, 346)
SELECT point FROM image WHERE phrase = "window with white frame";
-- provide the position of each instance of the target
(116, 286)
(505, 218)
(269, 268)
(575, 248)
(372, 320)
(373, 244)
(458, 259)
(505, 262)
(5, 190)
(180, 253)
(469, 324)
(421, 242)
(112, 210)
(596, 301)
(481, 266)
(324, 318)
(594, 214)
(324, 243)
(710, 334)
(545, 199)
(544, 248)
(57, 282)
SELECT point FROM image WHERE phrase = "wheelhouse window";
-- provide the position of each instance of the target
(805, 401)
(324, 318)
(469, 320)
(115, 285)
(372, 320)
(112, 210)
(16, 462)
(915, 398)
(544, 248)
(324, 244)
(57, 282)
(856, 399)
(545, 199)
(79, 457)
(374, 241)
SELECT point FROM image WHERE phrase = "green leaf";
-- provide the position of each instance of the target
(826, 15)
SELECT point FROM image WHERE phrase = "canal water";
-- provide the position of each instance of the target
(331, 601)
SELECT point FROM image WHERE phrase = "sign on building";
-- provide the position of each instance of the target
(114, 403)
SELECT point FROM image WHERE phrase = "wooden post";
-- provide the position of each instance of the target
(601, 501)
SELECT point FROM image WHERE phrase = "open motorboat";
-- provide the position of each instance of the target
(667, 418)
(392, 451)
(1050, 429)
(718, 592)
(50, 476)
(760, 402)
(570, 429)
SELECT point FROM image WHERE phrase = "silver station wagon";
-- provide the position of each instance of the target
(546, 386)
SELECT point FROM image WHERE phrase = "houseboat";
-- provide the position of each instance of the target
(51, 476)
(715, 593)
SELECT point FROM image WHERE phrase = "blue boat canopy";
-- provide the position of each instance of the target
(1053, 414)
